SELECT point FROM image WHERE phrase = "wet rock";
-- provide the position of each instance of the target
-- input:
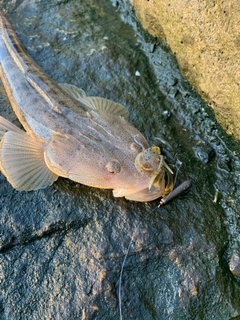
(234, 264)
(152, 47)
(204, 152)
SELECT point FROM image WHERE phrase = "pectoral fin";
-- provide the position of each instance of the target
(101, 104)
(22, 162)
(96, 103)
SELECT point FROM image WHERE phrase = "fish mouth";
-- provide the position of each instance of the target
(144, 195)
(161, 189)
(159, 185)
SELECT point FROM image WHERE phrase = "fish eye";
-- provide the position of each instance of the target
(113, 166)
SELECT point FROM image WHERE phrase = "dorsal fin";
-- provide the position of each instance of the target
(109, 106)
(96, 103)
(73, 91)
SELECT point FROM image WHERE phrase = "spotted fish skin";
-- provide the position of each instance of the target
(86, 139)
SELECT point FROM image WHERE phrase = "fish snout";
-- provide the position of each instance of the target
(150, 160)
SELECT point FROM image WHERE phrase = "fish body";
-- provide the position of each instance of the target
(86, 139)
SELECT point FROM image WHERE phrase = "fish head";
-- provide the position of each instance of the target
(139, 176)
(154, 177)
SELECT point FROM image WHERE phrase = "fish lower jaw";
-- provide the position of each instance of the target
(143, 195)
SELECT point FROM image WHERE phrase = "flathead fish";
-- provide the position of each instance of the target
(68, 134)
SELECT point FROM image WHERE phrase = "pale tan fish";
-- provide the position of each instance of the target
(86, 139)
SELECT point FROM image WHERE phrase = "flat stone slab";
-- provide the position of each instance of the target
(205, 38)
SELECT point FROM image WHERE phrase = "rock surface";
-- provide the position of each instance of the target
(205, 37)
(62, 248)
